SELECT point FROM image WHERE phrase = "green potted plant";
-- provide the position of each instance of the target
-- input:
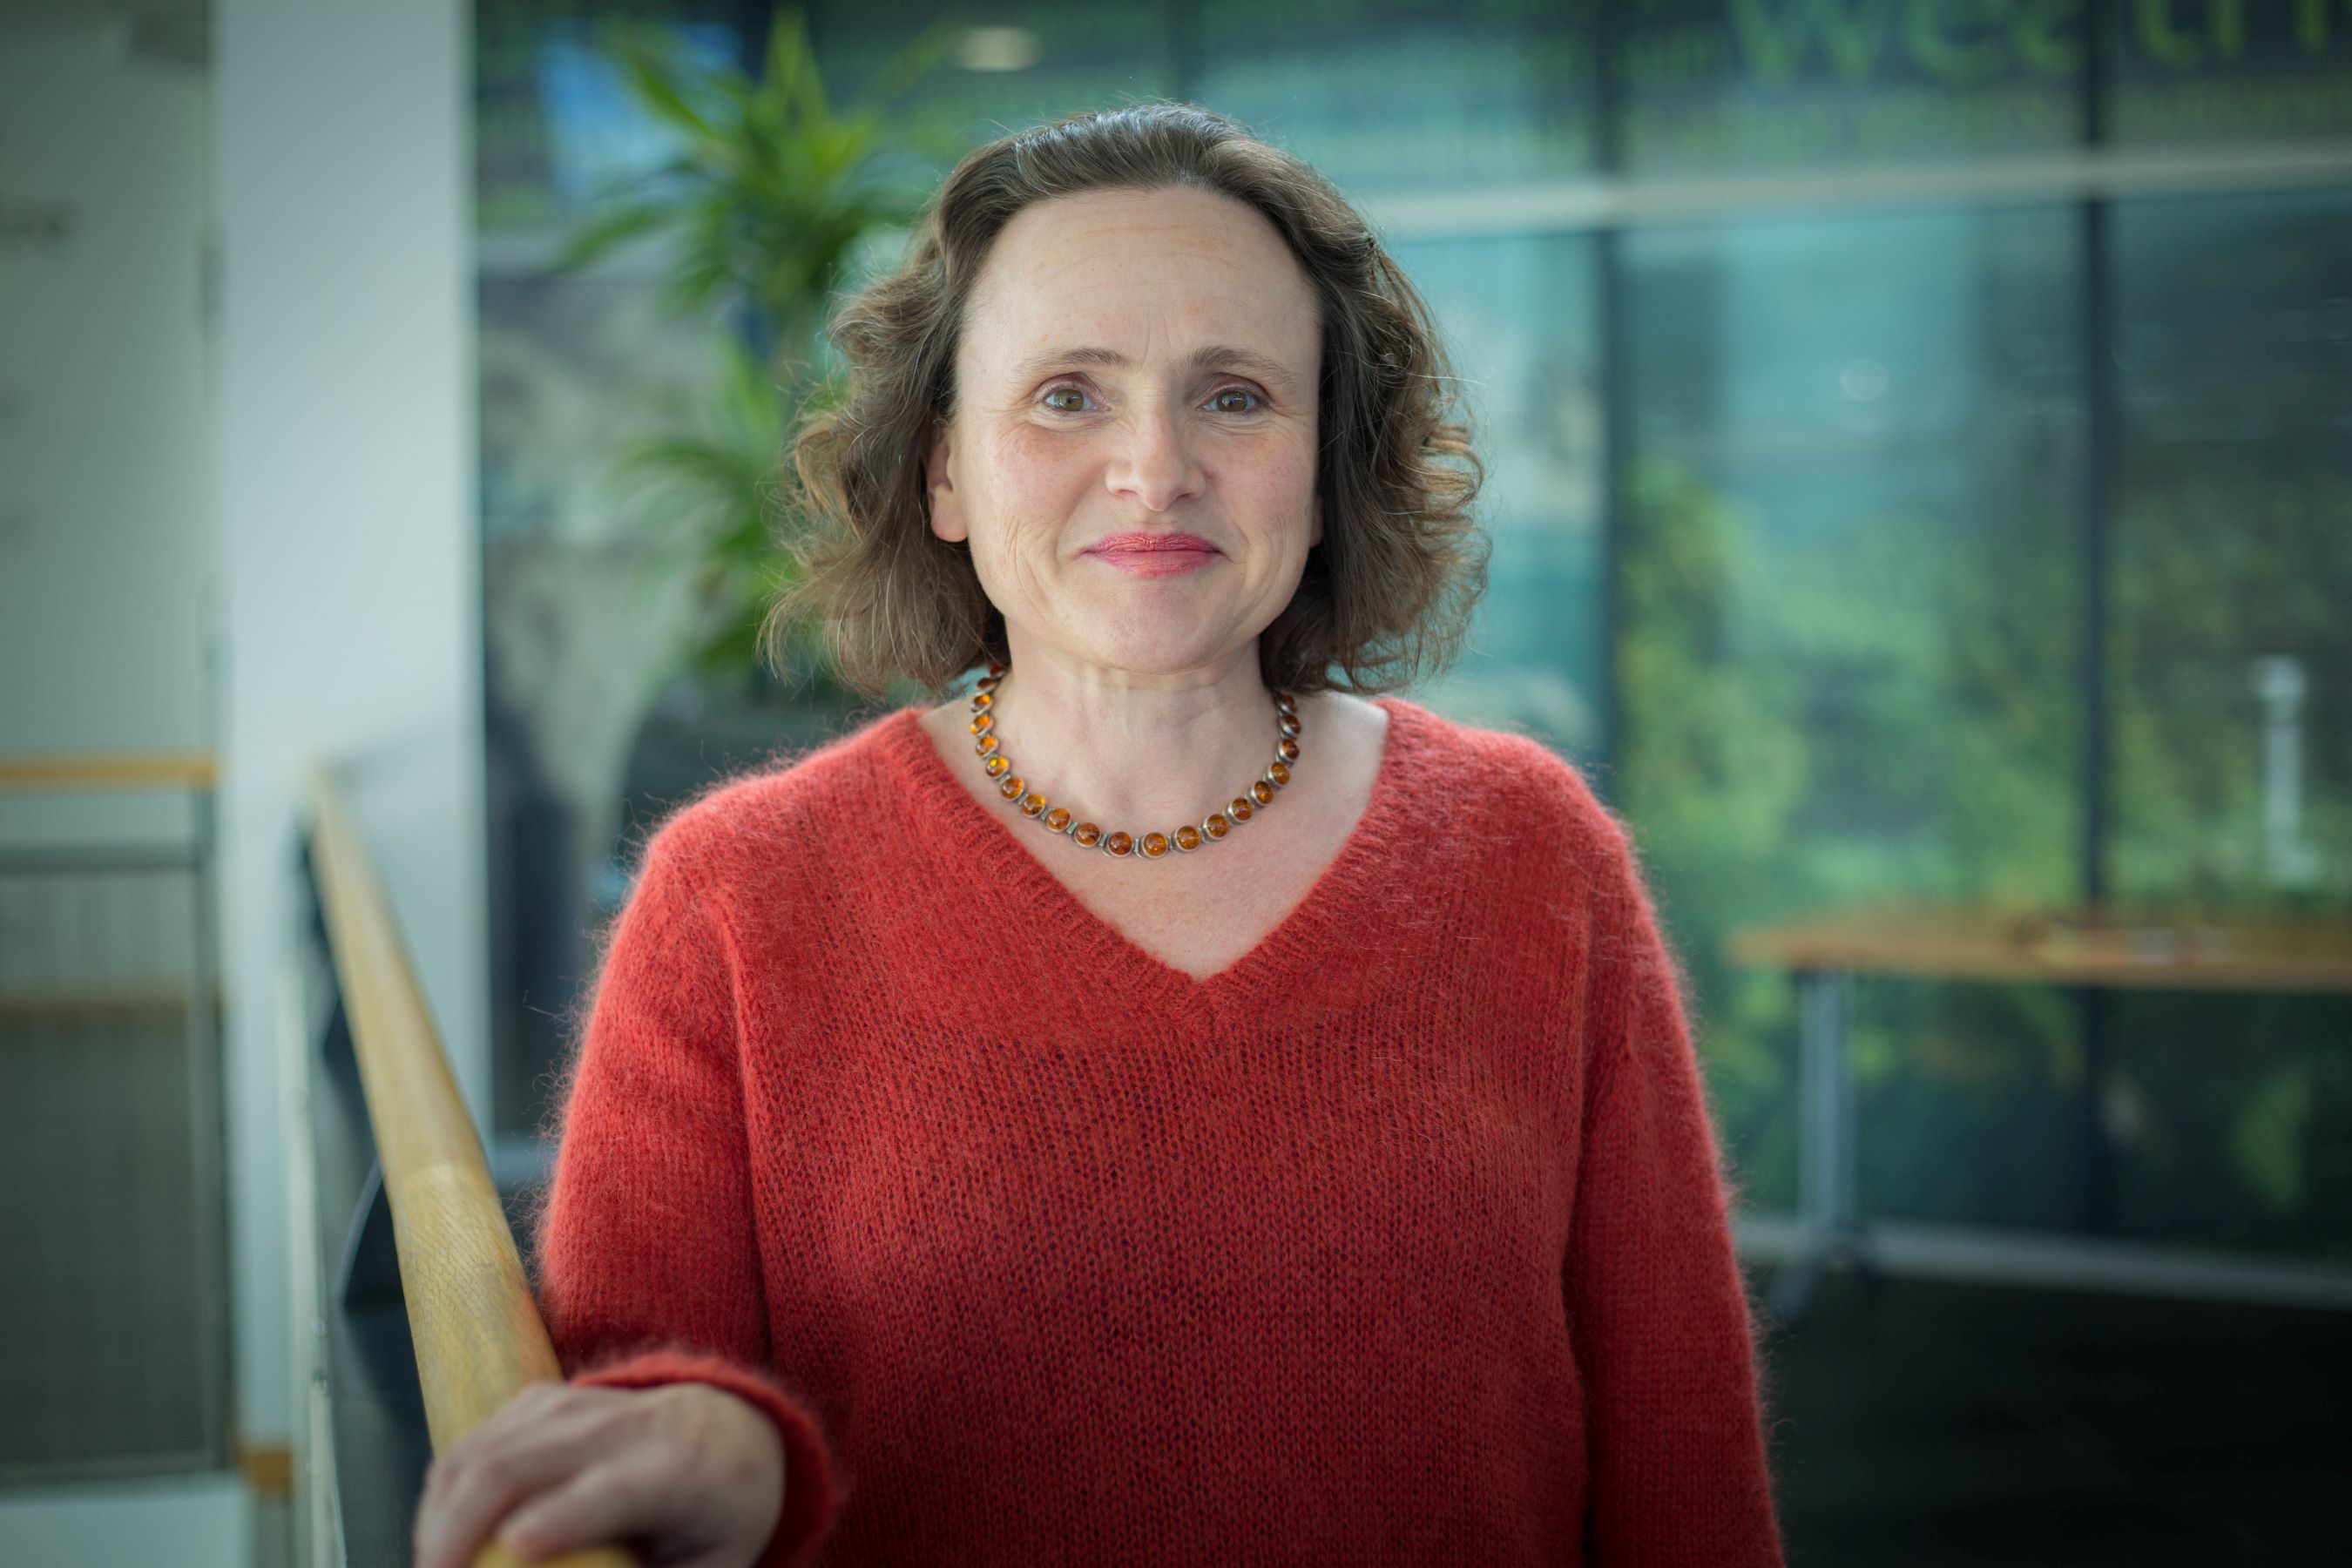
(773, 200)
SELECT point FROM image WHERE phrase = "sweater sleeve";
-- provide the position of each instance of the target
(1656, 1306)
(648, 1264)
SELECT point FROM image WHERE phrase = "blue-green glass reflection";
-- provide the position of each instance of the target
(1847, 657)
(2230, 684)
(1386, 95)
(1516, 313)
(1747, 84)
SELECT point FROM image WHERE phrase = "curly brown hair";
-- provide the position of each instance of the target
(1388, 594)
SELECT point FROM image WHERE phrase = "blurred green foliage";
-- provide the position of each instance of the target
(1893, 716)
(774, 202)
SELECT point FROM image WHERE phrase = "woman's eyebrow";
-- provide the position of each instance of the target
(1216, 356)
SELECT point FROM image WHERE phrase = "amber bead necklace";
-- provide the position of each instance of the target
(1061, 819)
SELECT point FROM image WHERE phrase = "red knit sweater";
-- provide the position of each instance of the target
(1400, 1240)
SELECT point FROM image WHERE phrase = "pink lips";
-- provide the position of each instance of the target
(1155, 554)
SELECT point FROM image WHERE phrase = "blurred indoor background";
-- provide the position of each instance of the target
(1919, 439)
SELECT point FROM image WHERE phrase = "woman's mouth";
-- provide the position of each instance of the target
(1154, 554)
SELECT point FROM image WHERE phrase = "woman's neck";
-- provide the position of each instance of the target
(1136, 751)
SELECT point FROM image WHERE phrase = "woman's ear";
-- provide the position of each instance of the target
(947, 506)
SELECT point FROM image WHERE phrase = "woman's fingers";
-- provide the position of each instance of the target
(697, 1472)
(535, 1440)
(702, 1472)
(601, 1504)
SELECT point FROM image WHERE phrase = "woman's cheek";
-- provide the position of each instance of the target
(1288, 490)
(1025, 450)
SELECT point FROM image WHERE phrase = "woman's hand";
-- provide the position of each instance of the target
(693, 1473)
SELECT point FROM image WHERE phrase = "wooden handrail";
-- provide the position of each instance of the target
(477, 1334)
(108, 770)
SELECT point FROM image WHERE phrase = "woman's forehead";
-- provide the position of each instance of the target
(1127, 279)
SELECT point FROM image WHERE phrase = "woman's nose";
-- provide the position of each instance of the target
(1156, 465)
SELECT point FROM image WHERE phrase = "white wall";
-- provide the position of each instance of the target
(106, 536)
(350, 555)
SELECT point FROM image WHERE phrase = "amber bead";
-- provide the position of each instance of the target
(1058, 819)
(1216, 825)
(1086, 834)
(1032, 803)
(1288, 750)
(983, 724)
(1011, 788)
(1289, 727)
(1153, 845)
(1119, 844)
(996, 766)
(1279, 772)
(981, 702)
(1263, 791)
(1287, 702)
(985, 745)
(1187, 837)
(1240, 808)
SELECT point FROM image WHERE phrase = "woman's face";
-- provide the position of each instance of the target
(1135, 364)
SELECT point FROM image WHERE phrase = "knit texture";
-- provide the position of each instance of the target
(1400, 1240)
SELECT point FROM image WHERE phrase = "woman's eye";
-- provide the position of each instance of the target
(1067, 399)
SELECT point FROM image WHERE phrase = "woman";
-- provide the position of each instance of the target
(1157, 1108)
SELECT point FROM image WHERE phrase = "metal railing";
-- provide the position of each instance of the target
(115, 1338)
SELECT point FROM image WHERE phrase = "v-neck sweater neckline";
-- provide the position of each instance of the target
(945, 805)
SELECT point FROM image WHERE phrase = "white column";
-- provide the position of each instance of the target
(349, 552)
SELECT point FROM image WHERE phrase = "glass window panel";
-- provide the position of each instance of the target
(579, 631)
(2232, 71)
(1006, 66)
(2231, 689)
(1407, 95)
(2231, 1120)
(1723, 84)
(582, 627)
(1847, 658)
(552, 125)
(2233, 580)
(1517, 312)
